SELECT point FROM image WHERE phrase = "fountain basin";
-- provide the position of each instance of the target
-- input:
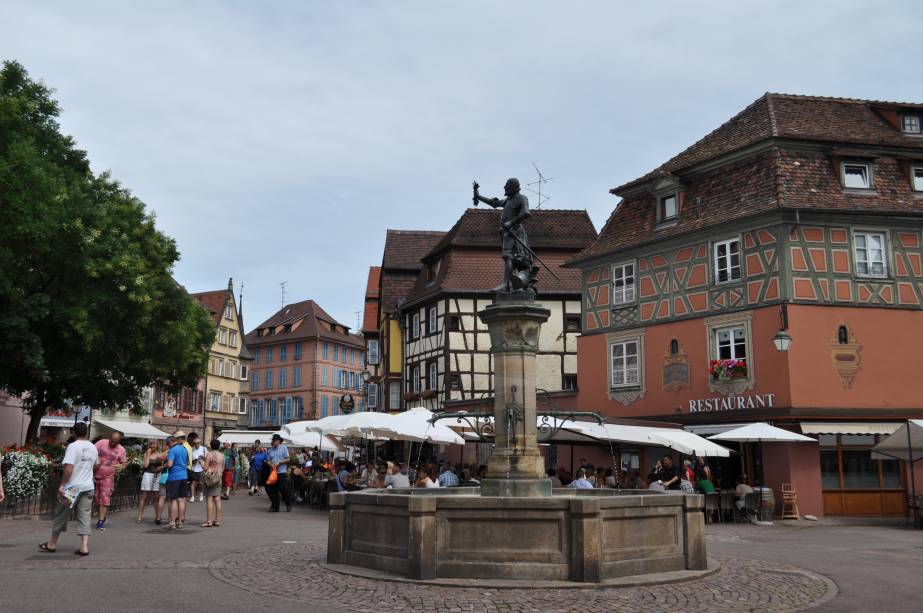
(574, 535)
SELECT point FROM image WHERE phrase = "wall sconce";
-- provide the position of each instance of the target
(782, 339)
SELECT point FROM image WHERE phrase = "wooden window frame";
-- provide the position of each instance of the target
(625, 290)
(716, 259)
(885, 257)
(639, 363)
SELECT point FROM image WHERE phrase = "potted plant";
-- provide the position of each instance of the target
(427, 394)
(727, 370)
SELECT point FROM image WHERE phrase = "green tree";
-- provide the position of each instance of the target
(89, 310)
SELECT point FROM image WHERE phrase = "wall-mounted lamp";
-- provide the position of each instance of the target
(782, 339)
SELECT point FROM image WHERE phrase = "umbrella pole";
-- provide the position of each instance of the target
(913, 482)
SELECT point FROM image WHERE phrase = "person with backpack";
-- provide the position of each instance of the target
(211, 481)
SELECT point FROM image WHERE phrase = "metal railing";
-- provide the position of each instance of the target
(124, 496)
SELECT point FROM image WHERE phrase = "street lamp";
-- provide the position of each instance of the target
(782, 339)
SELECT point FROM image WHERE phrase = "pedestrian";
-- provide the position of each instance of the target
(243, 463)
(581, 482)
(198, 459)
(395, 478)
(448, 478)
(111, 460)
(256, 466)
(177, 481)
(2, 495)
(278, 458)
(76, 491)
(664, 475)
(152, 465)
(212, 474)
(230, 465)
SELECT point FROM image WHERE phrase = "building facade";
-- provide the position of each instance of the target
(370, 318)
(226, 385)
(401, 264)
(304, 361)
(447, 347)
(799, 218)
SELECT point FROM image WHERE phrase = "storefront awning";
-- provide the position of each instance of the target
(709, 429)
(134, 429)
(851, 427)
(54, 421)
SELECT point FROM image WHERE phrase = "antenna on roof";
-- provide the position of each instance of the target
(358, 321)
(282, 285)
(542, 199)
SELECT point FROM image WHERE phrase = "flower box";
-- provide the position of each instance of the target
(430, 394)
(411, 396)
(727, 370)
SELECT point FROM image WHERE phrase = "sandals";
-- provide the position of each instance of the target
(138, 521)
(158, 522)
(207, 524)
(44, 547)
(172, 526)
(215, 524)
(82, 553)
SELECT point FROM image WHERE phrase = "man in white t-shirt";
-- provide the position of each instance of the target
(198, 470)
(76, 491)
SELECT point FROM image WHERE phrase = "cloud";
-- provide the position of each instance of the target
(277, 141)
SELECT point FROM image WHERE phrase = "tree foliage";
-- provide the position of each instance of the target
(89, 310)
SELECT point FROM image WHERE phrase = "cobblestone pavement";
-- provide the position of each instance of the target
(741, 585)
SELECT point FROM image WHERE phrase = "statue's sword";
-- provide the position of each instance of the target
(534, 255)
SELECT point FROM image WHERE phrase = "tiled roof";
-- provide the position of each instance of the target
(776, 178)
(372, 293)
(405, 248)
(813, 118)
(395, 286)
(546, 228)
(308, 320)
(480, 270)
(213, 302)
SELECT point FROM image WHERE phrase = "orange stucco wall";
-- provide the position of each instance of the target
(889, 342)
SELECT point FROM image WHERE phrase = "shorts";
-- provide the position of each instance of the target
(195, 477)
(177, 489)
(150, 482)
(82, 508)
(228, 478)
(212, 491)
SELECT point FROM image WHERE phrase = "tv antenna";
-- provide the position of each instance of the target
(542, 179)
(282, 285)
(358, 321)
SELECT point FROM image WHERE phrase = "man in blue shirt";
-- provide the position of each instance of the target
(581, 482)
(448, 478)
(278, 457)
(177, 481)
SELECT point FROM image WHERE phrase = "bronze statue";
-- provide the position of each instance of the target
(519, 271)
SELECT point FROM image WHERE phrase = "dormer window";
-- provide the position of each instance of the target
(857, 175)
(667, 208)
(911, 124)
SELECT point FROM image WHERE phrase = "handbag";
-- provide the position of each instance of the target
(163, 477)
(273, 477)
(212, 478)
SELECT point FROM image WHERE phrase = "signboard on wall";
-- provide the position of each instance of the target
(732, 403)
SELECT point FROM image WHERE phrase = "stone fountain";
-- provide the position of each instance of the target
(515, 527)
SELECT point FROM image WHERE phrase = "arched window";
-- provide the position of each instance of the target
(674, 347)
(842, 335)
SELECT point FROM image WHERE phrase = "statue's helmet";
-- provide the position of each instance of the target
(513, 184)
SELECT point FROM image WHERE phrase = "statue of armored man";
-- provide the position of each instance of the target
(519, 270)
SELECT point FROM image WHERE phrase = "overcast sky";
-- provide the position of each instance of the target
(276, 141)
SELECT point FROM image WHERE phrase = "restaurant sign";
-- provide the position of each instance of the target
(732, 403)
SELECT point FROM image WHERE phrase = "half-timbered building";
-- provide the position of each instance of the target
(446, 346)
(772, 271)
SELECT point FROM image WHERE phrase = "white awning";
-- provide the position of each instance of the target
(709, 429)
(248, 437)
(852, 427)
(135, 429)
(57, 421)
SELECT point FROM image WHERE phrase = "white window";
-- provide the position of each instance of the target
(242, 406)
(394, 395)
(373, 395)
(416, 380)
(625, 369)
(415, 330)
(323, 376)
(917, 178)
(219, 370)
(223, 336)
(373, 352)
(228, 312)
(870, 254)
(431, 324)
(668, 208)
(856, 176)
(727, 260)
(244, 372)
(232, 338)
(433, 376)
(911, 123)
(214, 401)
(623, 283)
(731, 343)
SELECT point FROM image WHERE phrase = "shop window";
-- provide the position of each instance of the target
(830, 469)
(860, 472)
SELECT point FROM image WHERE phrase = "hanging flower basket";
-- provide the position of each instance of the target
(727, 370)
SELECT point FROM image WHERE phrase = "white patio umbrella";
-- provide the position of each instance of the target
(313, 439)
(905, 443)
(359, 425)
(414, 425)
(684, 442)
(761, 432)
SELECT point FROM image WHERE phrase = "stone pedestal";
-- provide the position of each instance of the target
(516, 467)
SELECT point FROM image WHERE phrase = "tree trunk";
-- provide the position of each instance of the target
(35, 419)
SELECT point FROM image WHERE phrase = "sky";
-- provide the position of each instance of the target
(276, 142)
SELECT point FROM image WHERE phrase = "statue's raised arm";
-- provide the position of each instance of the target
(494, 202)
(519, 273)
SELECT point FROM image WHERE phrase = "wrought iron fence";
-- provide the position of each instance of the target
(124, 496)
